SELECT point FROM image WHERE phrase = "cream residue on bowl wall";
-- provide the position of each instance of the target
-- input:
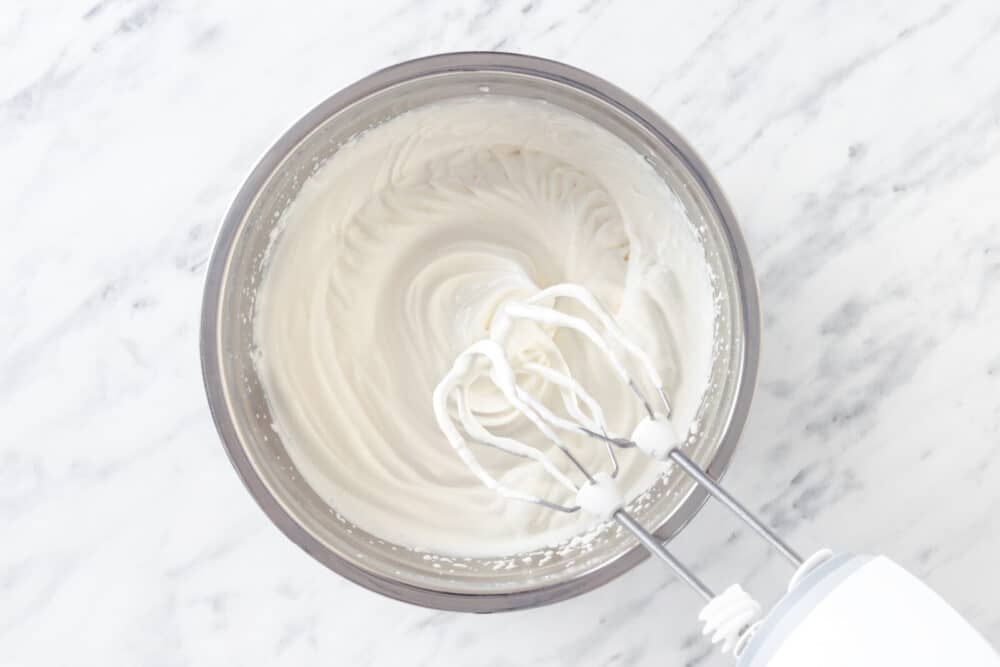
(392, 259)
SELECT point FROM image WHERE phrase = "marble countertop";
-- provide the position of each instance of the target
(859, 144)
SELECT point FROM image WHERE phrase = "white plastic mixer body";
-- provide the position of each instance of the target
(864, 611)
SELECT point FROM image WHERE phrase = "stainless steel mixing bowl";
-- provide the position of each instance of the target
(240, 408)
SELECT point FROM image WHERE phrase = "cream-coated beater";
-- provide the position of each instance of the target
(839, 609)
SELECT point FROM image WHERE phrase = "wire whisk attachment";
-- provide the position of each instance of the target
(729, 617)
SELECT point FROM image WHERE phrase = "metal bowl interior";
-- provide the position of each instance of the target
(240, 408)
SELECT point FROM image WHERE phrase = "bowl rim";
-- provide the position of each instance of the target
(214, 290)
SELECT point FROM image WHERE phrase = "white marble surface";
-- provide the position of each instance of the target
(859, 143)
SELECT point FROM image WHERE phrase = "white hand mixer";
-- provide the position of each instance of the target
(840, 609)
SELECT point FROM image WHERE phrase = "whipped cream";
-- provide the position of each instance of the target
(395, 257)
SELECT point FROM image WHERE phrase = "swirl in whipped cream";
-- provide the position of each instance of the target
(394, 258)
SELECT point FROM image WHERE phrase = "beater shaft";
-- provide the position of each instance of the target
(733, 505)
(656, 548)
